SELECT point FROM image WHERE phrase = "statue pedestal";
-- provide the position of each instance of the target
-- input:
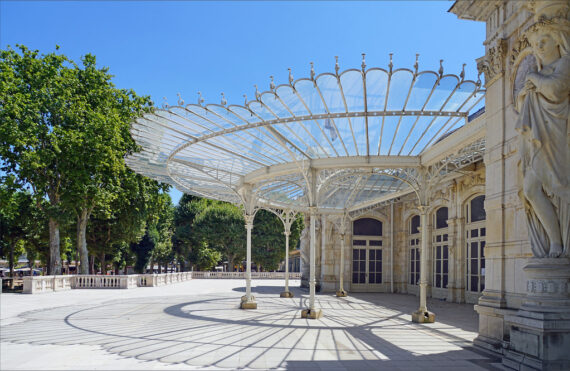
(540, 330)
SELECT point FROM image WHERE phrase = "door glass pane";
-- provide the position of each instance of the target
(441, 218)
(372, 254)
(474, 266)
(367, 227)
(474, 283)
(375, 242)
(474, 250)
(359, 242)
(478, 209)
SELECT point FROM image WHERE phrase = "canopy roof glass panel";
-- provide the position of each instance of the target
(365, 129)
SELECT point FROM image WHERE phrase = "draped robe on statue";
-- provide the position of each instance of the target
(545, 150)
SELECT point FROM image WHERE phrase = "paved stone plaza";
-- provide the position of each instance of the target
(197, 325)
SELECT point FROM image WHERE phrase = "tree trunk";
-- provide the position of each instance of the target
(92, 264)
(55, 256)
(126, 270)
(82, 242)
(159, 268)
(11, 262)
(182, 266)
(230, 263)
(103, 264)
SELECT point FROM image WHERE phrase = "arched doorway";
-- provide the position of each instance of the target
(367, 245)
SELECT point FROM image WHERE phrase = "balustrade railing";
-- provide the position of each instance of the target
(38, 284)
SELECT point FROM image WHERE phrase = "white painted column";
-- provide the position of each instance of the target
(312, 280)
(341, 293)
(287, 234)
(392, 246)
(423, 259)
(323, 247)
(248, 227)
(341, 261)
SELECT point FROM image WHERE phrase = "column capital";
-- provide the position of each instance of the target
(312, 210)
(423, 209)
(249, 219)
(249, 226)
(287, 233)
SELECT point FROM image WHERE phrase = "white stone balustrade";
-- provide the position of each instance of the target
(241, 275)
(39, 284)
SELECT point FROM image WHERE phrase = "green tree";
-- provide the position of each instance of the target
(11, 229)
(268, 240)
(136, 208)
(221, 225)
(186, 240)
(207, 258)
(35, 92)
(98, 120)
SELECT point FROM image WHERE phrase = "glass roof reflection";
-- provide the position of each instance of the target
(208, 150)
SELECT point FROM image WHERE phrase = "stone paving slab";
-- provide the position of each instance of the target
(198, 325)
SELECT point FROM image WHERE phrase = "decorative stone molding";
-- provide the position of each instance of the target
(493, 63)
(547, 287)
(470, 181)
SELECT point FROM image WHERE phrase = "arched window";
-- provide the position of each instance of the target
(475, 237)
(367, 227)
(414, 256)
(441, 248)
(367, 244)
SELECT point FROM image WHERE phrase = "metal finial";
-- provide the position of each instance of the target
(290, 77)
(180, 100)
(200, 98)
(363, 65)
(245, 100)
(391, 65)
(164, 103)
(224, 101)
(462, 74)
(257, 94)
(271, 84)
(440, 68)
(312, 71)
(416, 65)
(336, 66)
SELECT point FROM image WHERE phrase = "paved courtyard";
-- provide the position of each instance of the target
(197, 325)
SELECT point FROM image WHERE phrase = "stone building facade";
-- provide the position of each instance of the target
(484, 246)
(388, 236)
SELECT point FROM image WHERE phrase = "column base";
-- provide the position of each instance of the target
(311, 313)
(341, 293)
(423, 316)
(245, 304)
(286, 294)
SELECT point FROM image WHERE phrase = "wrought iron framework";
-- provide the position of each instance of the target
(337, 141)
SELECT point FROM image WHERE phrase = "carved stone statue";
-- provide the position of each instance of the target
(544, 108)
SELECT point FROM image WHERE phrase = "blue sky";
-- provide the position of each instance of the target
(164, 48)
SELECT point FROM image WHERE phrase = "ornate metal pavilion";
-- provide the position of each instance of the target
(332, 143)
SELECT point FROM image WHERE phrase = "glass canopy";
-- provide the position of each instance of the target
(364, 130)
